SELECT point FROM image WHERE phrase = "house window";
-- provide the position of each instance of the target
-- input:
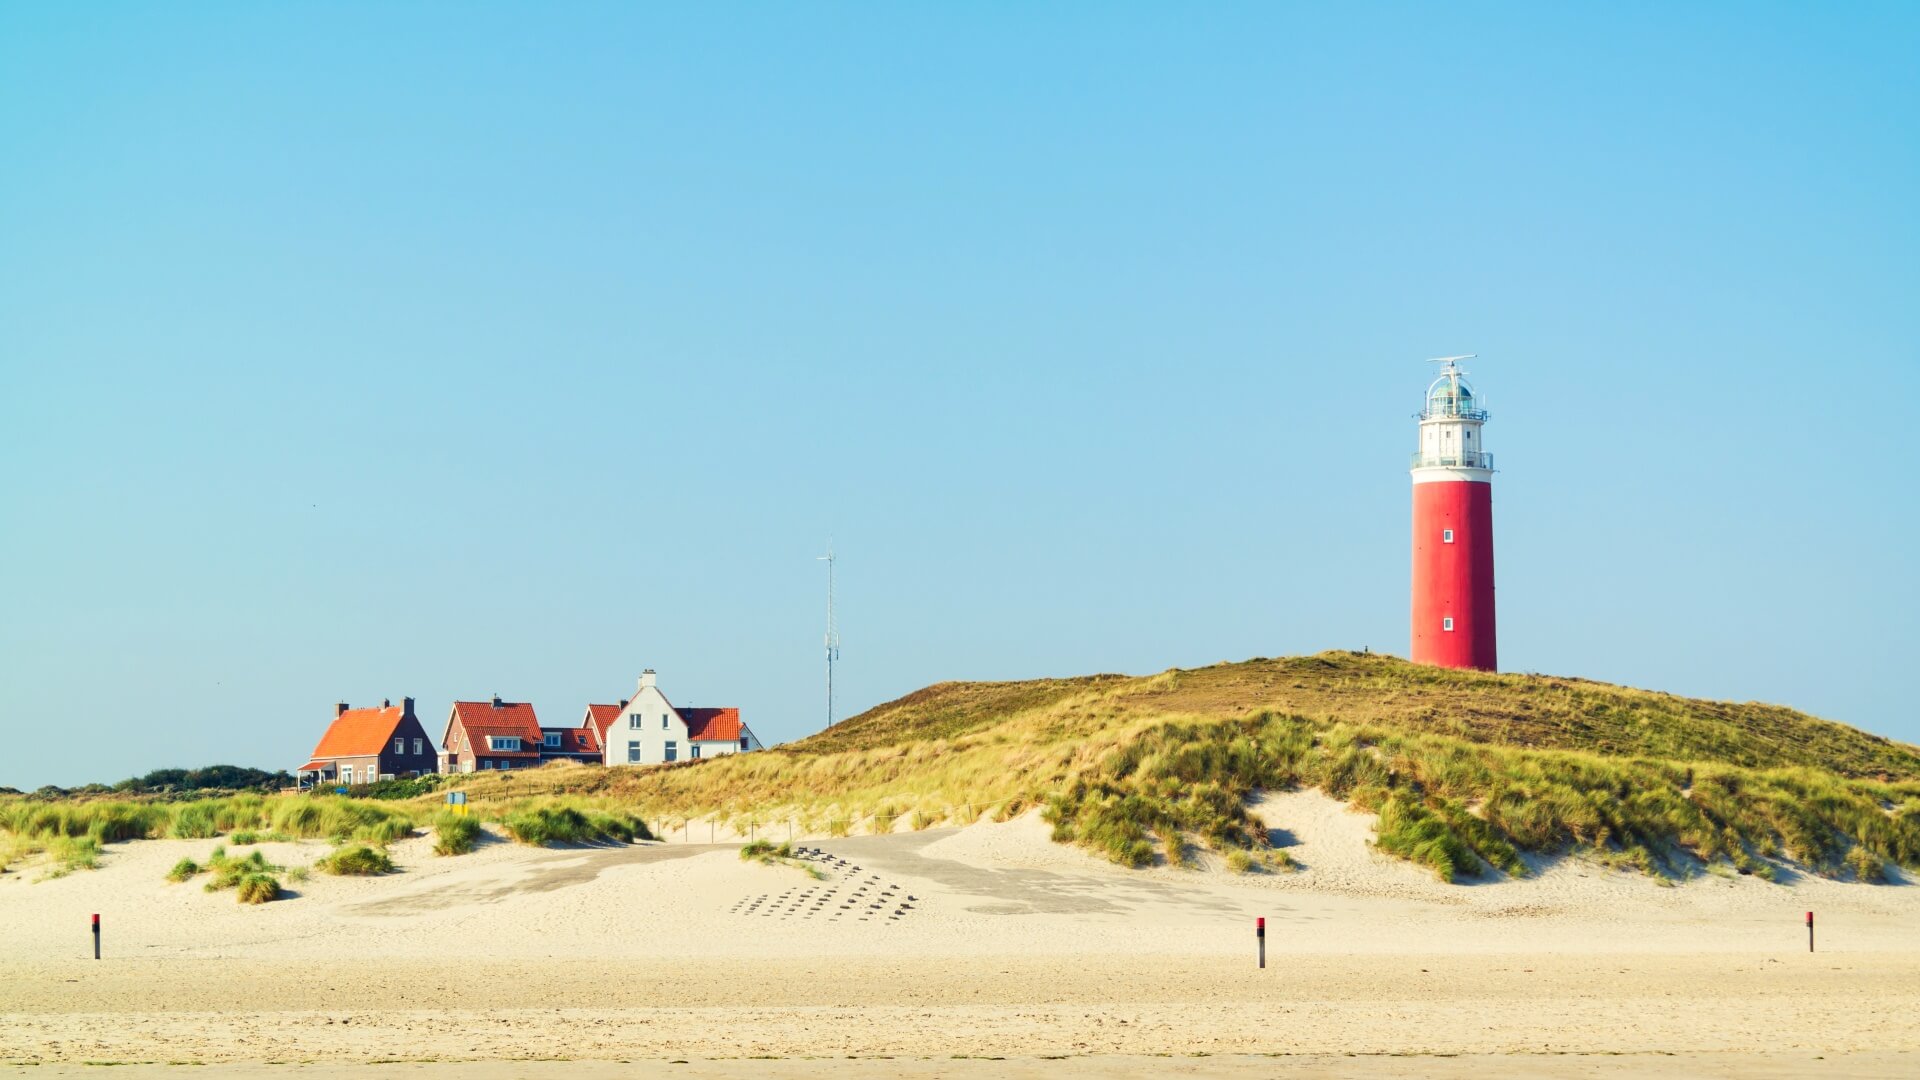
(633, 721)
(550, 740)
(503, 742)
(663, 721)
(419, 746)
(743, 742)
(693, 750)
(346, 774)
(1446, 623)
(633, 753)
(399, 746)
(1446, 536)
(673, 751)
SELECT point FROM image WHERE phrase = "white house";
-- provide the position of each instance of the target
(649, 729)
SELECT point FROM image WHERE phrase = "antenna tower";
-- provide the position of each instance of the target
(833, 630)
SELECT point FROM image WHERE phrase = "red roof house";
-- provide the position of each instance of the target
(490, 735)
(364, 745)
(649, 729)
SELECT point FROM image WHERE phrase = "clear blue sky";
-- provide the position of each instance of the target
(361, 350)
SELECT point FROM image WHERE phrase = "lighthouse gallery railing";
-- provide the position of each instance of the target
(1468, 460)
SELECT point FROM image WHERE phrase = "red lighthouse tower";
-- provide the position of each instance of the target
(1453, 528)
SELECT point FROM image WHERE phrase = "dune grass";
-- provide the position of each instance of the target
(356, 860)
(258, 889)
(543, 824)
(455, 834)
(251, 876)
(769, 853)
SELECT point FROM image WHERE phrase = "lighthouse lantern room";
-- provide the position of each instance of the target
(1453, 528)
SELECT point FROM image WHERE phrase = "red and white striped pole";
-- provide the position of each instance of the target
(1260, 935)
(96, 936)
(1809, 931)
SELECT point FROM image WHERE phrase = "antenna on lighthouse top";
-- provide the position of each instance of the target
(833, 630)
(1452, 362)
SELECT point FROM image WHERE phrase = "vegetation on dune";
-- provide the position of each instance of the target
(251, 877)
(258, 889)
(1467, 770)
(1469, 773)
(357, 860)
(107, 821)
(772, 854)
(561, 822)
(455, 834)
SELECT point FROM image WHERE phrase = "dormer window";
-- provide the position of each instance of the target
(503, 742)
(550, 740)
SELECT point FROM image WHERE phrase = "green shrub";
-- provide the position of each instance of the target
(183, 870)
(258, 889)
(357, 861)
(1239, 861)
(245, 838)
(404, 788)
(455, 834)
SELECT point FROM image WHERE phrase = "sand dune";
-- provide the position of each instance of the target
(1012, 946)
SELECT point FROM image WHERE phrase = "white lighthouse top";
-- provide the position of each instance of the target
(1450, 395)
(1451, 447)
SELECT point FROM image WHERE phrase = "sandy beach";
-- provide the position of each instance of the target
(1013, 956)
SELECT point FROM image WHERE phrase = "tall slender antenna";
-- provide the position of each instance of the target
(833, 631)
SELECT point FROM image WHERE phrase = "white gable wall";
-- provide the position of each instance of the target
(649, 722)
(640, 734)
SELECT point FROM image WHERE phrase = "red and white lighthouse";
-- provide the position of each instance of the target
(1453, 528)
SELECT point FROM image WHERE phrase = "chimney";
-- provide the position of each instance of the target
(623, 702)
(340, 708)
(406, 706)
(386, 703)
(646, 679)
(496, 701)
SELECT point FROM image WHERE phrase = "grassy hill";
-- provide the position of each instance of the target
(1468, 771)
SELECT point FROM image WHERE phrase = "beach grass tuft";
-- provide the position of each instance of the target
(544, 824)
(455, 834)
(357, 860)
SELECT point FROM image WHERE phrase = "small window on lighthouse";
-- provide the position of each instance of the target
(1446, 537)
(1446, 624)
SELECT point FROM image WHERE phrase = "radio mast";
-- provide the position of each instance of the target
(833, 631)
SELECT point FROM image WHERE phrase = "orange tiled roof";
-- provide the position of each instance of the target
(712, 725)
(600, 718)
(359, 733)
(580, 740)
(481, 719)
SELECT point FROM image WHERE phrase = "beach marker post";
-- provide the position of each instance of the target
(1260, 935)
(1809, 931)
(96, 936)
